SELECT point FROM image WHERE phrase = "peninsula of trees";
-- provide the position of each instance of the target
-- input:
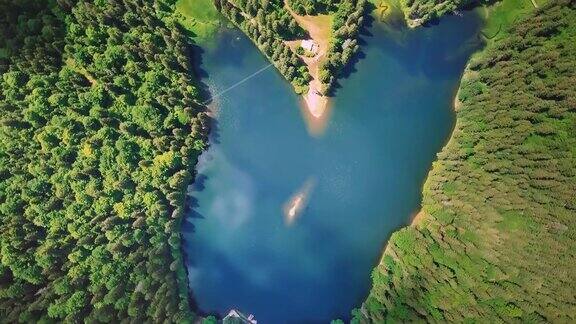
(100, 129)
(271, 25)
(497, 241)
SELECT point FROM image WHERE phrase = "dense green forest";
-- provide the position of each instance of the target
(497, 242)
(100, 129)
(269, 25)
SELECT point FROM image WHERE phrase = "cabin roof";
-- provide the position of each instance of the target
(309, 45)
(237, 314)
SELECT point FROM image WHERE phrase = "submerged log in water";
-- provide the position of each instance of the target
(298, 202)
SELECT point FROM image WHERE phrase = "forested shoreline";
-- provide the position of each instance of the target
(497, 239)
(100, 128)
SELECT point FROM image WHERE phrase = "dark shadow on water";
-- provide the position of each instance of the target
(193, 214)
(368, 23)
(189, 263)
(194, 305)
(199, 182)
(214, 136)
(192, 203)
(347, 71)
(195, 55)
(432, 22)
(188, 228)
(350, 68)
(232, 272)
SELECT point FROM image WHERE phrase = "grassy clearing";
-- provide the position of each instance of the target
(200, 17)
(500, 16)
(201, 10)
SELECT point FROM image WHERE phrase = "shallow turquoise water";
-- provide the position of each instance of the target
(390, 118)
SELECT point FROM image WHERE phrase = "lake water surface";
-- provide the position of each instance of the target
(364, 175)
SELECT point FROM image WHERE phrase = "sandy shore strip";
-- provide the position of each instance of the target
(316, 125)
(418, 217)
(315, 101)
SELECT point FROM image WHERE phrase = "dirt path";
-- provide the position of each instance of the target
(320, 30)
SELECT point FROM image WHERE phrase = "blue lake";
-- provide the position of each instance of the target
(363, 176)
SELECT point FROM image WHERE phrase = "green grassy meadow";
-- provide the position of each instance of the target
(200, 17)
(501, 15)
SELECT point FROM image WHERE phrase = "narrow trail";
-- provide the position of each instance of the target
(319, 28)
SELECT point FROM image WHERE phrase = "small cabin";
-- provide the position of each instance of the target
(310, 46)
(235, 316)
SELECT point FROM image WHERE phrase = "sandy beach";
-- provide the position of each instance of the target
(315, 102)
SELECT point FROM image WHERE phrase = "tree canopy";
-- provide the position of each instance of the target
(100, 128)
(497, 242)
